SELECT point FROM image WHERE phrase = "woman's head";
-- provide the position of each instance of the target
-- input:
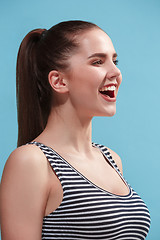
(93, 79)
(40, 52)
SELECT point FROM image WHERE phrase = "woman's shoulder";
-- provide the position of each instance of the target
(25, 159)
(27, 154)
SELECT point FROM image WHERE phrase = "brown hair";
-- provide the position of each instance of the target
(40, 52)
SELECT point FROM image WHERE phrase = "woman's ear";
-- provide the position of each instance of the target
(57, 81)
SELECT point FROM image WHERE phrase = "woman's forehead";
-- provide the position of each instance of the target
(94, 41)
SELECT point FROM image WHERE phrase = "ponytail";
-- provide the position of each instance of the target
(30, 116)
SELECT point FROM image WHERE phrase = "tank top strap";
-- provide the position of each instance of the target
(55, 160)
(109, 158)
(107, 154)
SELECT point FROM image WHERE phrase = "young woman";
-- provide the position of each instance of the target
(58, 184)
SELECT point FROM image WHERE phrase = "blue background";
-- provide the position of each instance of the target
(134, 131)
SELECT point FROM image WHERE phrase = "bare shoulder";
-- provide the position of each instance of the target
(26, 157)
(26, 164)
(117, 159)
(29, 154)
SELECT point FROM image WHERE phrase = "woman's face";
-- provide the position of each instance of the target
(94, 78)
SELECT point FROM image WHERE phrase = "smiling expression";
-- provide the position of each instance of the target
(94, 79)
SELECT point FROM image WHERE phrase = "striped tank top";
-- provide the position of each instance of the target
(89, 212)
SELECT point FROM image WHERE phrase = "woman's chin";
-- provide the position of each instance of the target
(107, 113)
(110, 112)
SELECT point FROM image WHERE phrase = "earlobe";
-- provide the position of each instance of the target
(57, 81)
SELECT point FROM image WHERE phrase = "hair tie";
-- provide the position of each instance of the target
(43, 34)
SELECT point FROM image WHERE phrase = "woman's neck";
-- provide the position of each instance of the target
(67, 129)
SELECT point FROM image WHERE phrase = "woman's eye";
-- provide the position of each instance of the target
(115, 62)
(98, 62)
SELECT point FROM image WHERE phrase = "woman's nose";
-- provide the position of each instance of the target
(113, 72)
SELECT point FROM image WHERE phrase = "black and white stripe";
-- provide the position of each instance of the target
(89, 212)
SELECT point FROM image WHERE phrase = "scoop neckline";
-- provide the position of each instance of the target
(127, 196)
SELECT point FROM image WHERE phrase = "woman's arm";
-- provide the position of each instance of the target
(23, 194)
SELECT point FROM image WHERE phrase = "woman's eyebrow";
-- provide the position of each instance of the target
(103, 55)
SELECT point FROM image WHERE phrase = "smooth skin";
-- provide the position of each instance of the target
(30, 189)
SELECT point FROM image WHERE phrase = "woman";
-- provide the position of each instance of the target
(65, 76)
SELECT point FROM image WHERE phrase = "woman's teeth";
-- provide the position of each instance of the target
(109, 91)
(110, 88)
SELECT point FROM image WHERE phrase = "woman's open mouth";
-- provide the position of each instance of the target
(108, 92)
